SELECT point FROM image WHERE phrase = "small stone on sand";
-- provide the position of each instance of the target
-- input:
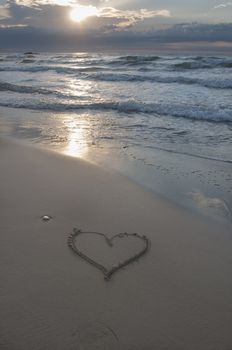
(46, 218)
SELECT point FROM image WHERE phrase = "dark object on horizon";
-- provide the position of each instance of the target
(30, 53)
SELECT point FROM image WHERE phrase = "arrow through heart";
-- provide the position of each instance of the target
(108, 272)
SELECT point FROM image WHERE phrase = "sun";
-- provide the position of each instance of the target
(80, 13)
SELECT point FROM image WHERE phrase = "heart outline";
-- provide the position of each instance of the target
(110, 271)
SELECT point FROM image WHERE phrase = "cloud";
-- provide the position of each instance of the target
(49, 16)
(178, 37)
(55, 13)
(36, 3)
(39, 3)
(224, 5)
(196, 32)
(12, 26)
(4, 12)
(128, 18)
(45, 24)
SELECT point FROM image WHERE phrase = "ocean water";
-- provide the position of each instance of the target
(165, 121)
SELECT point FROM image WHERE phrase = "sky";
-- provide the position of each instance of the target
(113, 24)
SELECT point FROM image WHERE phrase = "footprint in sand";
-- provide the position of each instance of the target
(96, 336)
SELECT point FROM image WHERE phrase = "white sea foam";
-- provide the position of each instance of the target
(192, 112)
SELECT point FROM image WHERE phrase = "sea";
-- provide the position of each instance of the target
(165, 121)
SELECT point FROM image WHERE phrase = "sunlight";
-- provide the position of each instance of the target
(80, 13)
(77, 145)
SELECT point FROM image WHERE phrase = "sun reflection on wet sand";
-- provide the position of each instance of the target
(77, 138)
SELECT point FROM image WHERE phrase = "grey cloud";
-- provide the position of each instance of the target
(223, 5)
(46, 27)
(96, 3)
(129, 18)
(47, 16)
(50, 13)
(197, 32)
(42, 39)
(49, 9)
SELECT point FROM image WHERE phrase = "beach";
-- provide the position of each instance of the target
(177, 296)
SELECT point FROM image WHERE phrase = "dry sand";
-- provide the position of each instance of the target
(177, 297)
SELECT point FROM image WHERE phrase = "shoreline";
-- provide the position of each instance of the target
(178, 296)
(201, 185)
(208, 204)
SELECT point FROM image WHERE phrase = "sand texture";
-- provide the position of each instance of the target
(178, 296)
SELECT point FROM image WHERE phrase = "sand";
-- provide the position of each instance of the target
(176, 297)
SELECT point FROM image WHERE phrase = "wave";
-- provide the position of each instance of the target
(27, 60)
(57, 69)
(210, 83)
(227, 64)
(26, 89)
(97, 74)
(136, 60)
(202, 63)
(23, 89)
(131, 106)
(36, 69)
(31, 53)
(191, 65)
(180, 62)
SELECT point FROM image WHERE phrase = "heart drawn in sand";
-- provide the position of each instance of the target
(108, 272)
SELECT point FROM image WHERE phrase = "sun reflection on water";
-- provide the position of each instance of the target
(80, 89)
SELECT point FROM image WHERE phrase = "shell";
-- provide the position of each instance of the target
(46, 217)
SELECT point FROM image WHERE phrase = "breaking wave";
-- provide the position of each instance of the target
(210, 83)
(136, 60)
(23, 89)
(202, 64)
(183, 111)
(98, 74)
(46, 68)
